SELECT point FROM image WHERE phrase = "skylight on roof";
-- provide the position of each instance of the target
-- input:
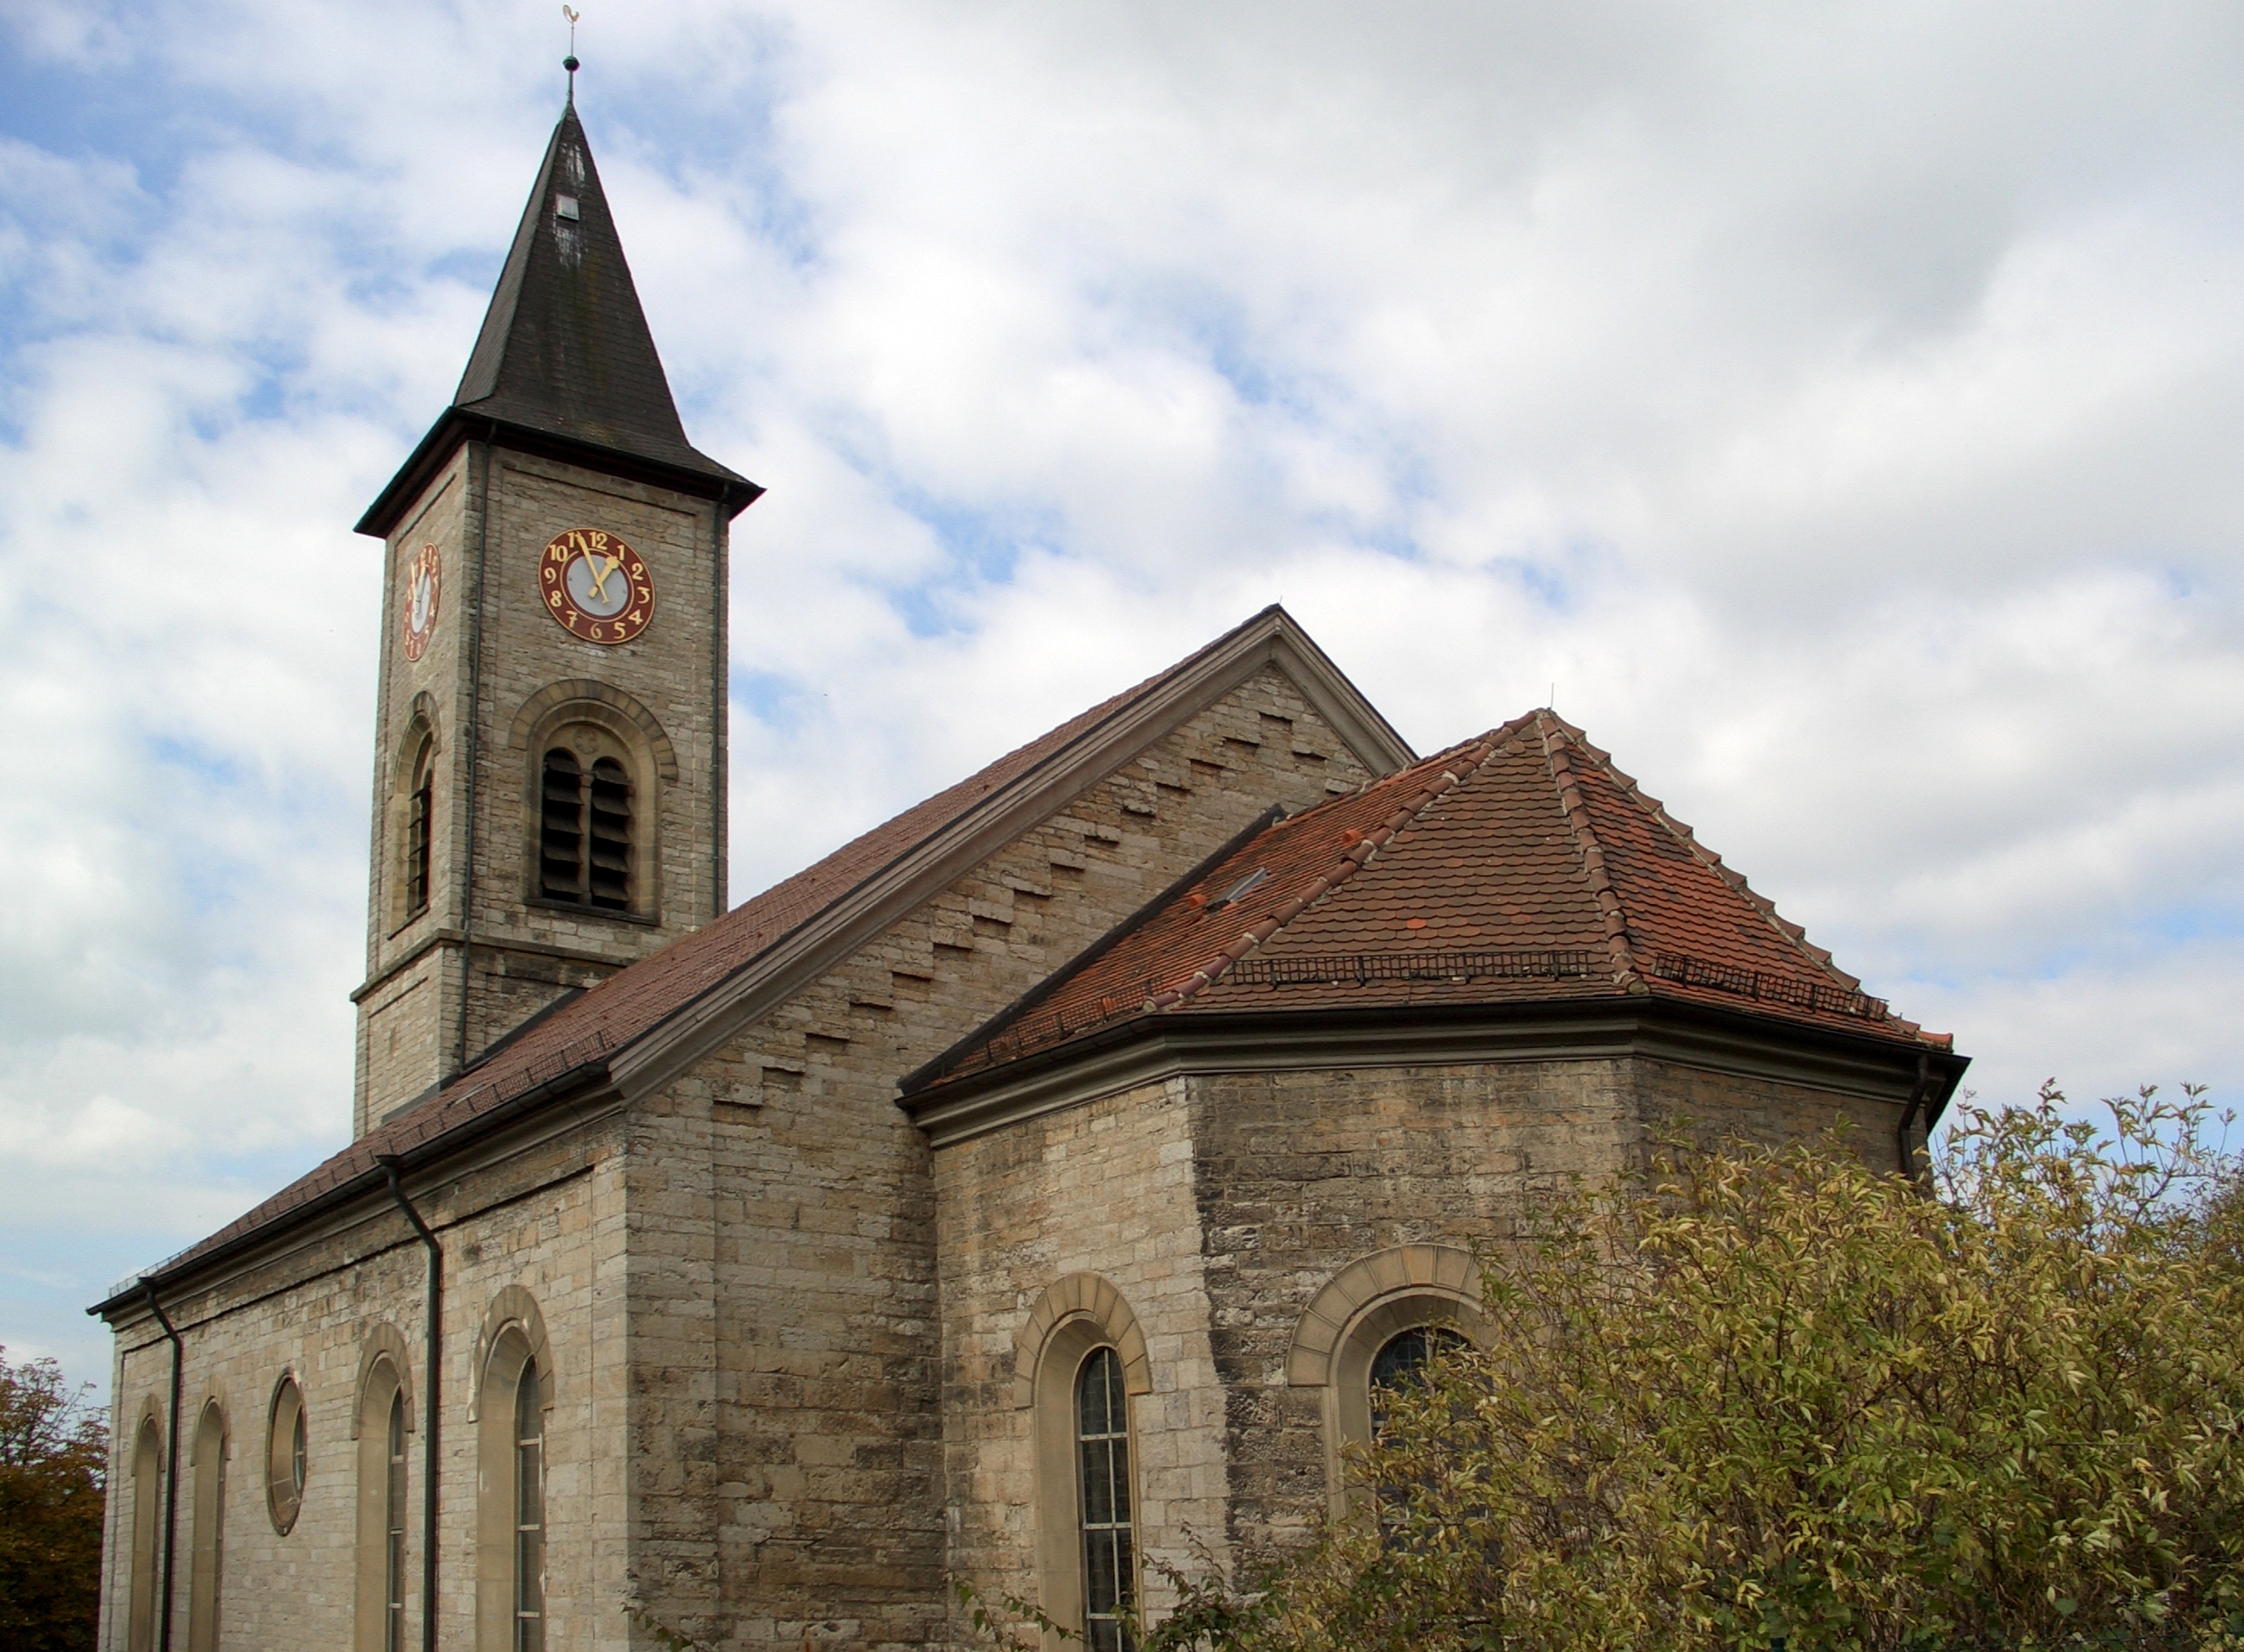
(1246, 886)
(565, 206)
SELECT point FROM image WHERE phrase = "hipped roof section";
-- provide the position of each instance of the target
(1519, 867)
(692, 991)
(565, 363)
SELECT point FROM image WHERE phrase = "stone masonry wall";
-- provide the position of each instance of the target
(826, 1494)
(510, 505)
(1104, 1189)
(549, 1220)
(1302, 1173)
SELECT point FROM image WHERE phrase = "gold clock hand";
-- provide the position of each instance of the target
(600, 575)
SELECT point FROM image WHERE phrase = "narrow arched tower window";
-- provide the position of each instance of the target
(419, 829)
(1102, 1452)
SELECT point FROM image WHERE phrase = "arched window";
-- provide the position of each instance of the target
(1102, 1450)
(420, 829)
(209, 1552)
(1401, 1361)
(383, 1423)
(528, 1514)
(393, 1529)
(584, 830)
(284, 1455)
(147, 1511)
(512, 1463)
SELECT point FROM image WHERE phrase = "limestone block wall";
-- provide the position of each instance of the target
(487, 938)
(1107, 1189)
(821, 1515)
(548, 1222)
(1300, 1175)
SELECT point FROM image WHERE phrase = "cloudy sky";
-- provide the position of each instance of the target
(1834, 407)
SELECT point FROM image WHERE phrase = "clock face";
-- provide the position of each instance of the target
(595, 587)
(424, 583)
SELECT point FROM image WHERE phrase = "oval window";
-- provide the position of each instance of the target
(284, 1455)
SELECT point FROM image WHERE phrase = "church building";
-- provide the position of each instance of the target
(1033, 1189)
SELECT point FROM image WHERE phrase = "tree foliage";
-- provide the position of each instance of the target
(1749, 1398)
(54, 1448)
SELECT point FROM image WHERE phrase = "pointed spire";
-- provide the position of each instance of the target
(564, 362)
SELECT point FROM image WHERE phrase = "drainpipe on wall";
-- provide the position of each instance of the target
(1917, 1097)
(170, 1469)
(429, 1413)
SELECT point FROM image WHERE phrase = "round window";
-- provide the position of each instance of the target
(284, 1455)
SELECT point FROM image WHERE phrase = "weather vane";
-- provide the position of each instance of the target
(570, 62)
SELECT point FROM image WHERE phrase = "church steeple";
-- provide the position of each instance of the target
(550, 734)
(564, 360)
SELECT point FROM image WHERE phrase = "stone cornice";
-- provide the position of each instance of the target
(1156, 1048)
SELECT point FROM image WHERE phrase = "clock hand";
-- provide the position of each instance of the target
(600, 576)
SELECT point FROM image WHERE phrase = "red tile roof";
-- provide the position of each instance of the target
(1519, 866)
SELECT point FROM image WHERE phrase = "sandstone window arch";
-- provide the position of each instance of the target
(1363, 1309)
(592, 838)
(1081, 1331)
(207, 1556)
(382, 1422)
(512, 1402)
(147, 1531)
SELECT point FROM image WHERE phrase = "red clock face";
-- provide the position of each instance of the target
(595, 586)
(424, 583)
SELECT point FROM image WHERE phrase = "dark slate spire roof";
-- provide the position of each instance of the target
(564, 363)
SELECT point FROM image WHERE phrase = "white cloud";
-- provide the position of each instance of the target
(1832, 404)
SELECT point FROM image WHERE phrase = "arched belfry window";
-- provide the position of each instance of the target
(584, 830)
(1102, 1450)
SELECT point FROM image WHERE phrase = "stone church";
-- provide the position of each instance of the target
(1033, 1188)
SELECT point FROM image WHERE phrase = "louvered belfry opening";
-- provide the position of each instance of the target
(561, 827)
(418, 832)
(585, 832)
(609, 883)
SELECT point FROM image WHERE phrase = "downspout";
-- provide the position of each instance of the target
(1917, 1097)
(170, 1469)
(430, 1415)
(474, 720)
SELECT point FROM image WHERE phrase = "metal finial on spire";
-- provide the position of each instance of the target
(570, 62)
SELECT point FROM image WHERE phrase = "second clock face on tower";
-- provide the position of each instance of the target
(595, 587)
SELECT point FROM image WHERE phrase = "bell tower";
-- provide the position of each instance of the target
(549, 776)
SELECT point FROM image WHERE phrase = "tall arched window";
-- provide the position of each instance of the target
(528, 1514)
(147, 1511)
(209, 1554)
(510, 1403)
(584, 831)
(393, 1530)
(383, 1511)
(1102, 1448)
(420, 829)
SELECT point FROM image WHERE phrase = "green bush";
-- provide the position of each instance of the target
(1750, 1397)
